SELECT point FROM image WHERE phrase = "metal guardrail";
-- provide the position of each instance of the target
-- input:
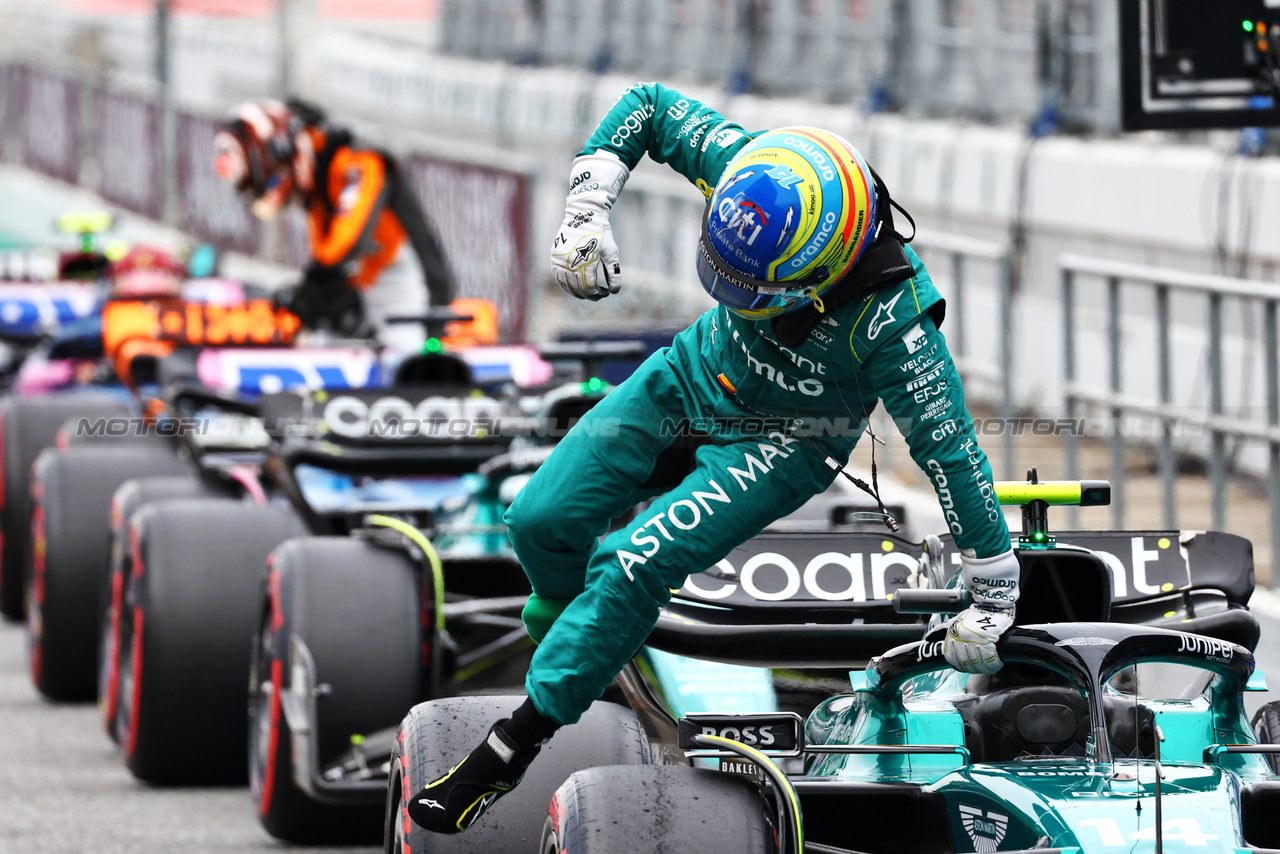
(960, 252)
(988, 59)
(655, 222)
(1217, 423)
(83, 131)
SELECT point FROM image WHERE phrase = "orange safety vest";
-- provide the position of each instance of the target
(362, 211)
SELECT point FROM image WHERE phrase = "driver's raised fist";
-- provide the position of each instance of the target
(584, 256)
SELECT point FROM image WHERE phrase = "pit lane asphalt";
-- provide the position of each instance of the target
(64, 787)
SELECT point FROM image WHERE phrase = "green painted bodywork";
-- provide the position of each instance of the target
(1060, 801)
(1077, 803)
(693, 685)
(476, 527)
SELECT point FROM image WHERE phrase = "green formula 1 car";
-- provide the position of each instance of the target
(1108, 729)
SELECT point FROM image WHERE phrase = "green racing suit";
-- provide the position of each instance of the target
(778, 420)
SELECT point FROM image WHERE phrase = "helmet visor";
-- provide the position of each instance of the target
(730, 293)
(230, 161)
(744, 294)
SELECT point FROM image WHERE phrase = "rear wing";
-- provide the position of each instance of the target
(822, 600)
(401, 416)
(858, 572)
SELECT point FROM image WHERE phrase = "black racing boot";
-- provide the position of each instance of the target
(455, 801)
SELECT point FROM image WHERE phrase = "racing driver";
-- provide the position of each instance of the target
(370, 243)
(823, 310)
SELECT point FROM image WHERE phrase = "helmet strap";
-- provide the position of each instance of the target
(884, 212)
(883, 263)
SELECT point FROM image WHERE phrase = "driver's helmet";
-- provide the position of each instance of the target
(793, 211)
(146, 272)
(255, 151)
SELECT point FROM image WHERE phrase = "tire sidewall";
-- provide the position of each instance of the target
(437, 734)
(270, 765)
(1266, 726)
(355, 607)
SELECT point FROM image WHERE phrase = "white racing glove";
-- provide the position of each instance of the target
(992, 582)
(583, 254)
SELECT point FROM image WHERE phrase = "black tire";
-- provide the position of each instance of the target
(27, 427)
(438, 733)
(667, 808)
(356, 608)
(193, 597)
(1266, 726)
(114, 630)
(71, 545)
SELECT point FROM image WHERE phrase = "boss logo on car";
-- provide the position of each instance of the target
(777, 732)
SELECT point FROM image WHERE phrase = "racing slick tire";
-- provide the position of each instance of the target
(438, 733)
(1266, 726)
(668, 808)
(27, 427)
(70, 550)
(115, 627)
(193, 591)
(356, 608)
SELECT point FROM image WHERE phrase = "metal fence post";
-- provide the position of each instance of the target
(1212, 417)
(1006, 364)
(1070, 448)
(168, 143)
(957, 283)
(1270, 342)
(1116, 439)
(1166, 462)
(1218, 452)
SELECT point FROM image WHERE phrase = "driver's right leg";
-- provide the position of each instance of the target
(594, 475)
(555, 524)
